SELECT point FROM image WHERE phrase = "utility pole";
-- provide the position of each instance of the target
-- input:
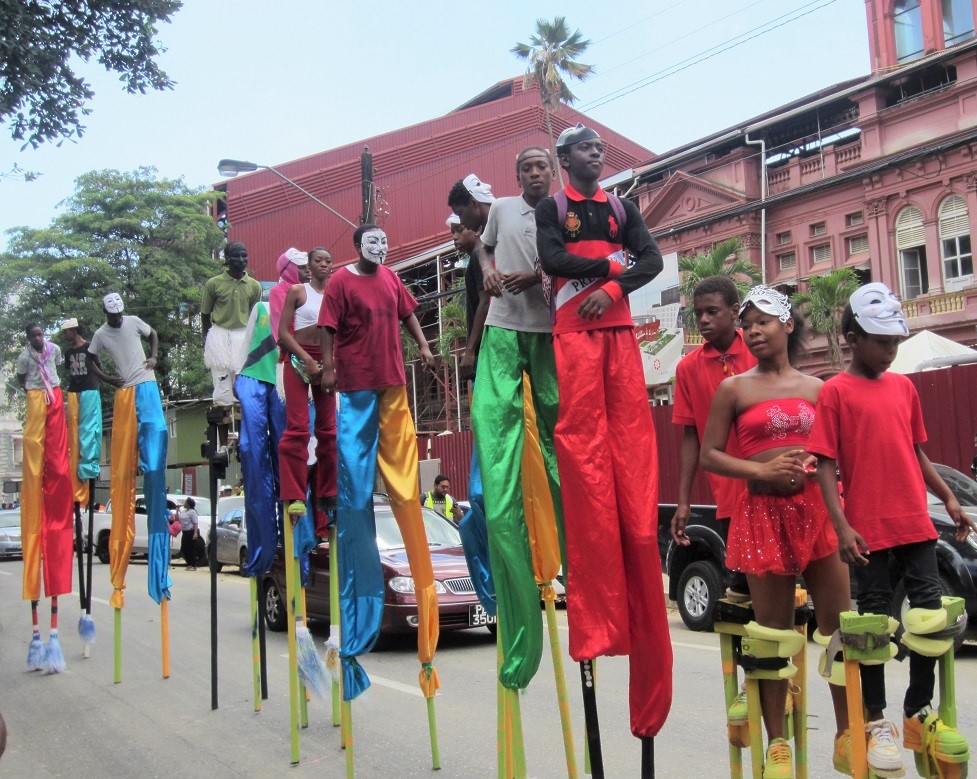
(366, 176)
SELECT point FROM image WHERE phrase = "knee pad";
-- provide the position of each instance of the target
(930, 632)
(765, 652)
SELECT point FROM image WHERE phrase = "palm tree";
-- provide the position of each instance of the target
(823, 303)
(722, 260)
(551, 53)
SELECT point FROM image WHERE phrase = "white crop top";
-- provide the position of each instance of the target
(309, 313)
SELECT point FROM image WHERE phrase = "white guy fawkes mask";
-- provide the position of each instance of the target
(373, 246)
(878, 310)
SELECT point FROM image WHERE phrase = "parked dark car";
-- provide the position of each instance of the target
(697, 573)
(458, 606)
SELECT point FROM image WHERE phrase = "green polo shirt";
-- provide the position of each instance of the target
(228, 301)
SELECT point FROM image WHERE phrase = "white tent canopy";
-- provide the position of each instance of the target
(926, 346)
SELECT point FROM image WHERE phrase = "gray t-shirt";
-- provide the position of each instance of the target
(511, 229)
(124, 345)
(28, 366)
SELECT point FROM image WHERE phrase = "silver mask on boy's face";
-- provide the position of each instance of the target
(373, 246)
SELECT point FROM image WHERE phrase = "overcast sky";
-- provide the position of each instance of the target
(273, 85)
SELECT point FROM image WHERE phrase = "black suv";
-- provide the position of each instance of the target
(697, 573)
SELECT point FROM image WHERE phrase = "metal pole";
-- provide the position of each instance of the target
(261, 640)
(308, 194)
(366, 179)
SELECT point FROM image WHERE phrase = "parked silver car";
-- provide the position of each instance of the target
(10, 533)
(232, 533)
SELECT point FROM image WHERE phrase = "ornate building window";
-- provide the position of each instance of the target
(908, 19)
(958, 21)
(955, 247)
(911, 245)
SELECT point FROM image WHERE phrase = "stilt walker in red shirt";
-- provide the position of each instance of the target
(45, 517)
(605, 441)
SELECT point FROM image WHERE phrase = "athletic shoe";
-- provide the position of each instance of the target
(884, 756)
(780, 761)
(737, 712)
(842, 756)
(950, 745)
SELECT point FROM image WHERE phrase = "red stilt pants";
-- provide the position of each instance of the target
(608, 462)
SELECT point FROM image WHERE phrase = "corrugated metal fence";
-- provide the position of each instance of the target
(948, 398)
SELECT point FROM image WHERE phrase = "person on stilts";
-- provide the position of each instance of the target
(359, 325)
(597, 249)
(84, 448)
(139, 441)
(45, 513)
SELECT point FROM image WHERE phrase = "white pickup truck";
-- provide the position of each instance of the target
(103, 524)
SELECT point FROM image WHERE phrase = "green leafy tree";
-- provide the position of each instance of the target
(823, 303)
(41, 96)
(722, 260)
(152, 240)
(552, 51)
(454, 321)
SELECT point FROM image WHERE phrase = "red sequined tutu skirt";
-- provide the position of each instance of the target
(780, 534)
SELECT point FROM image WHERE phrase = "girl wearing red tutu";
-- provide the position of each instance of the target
(780, 529)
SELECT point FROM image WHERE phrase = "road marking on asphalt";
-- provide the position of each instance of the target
(97, 600)
(695, 646)
(6, 573)
(674, 643)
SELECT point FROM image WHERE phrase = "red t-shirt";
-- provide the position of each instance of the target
(697, 377)
(365, 311)
(871, 427)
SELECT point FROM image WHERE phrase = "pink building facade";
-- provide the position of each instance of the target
(878, 174)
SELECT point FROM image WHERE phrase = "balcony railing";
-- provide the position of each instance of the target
(929, 305)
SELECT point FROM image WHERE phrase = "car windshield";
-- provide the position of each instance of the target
(964, 488)
(10, 518)
(440, 532)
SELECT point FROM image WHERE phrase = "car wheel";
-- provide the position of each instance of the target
(493, 628)
(102, 548)
(243, 562)
(699, 588)
(275, 615)
(900, 605)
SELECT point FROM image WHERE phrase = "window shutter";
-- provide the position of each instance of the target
(954, 218)
(787, 262)
(909, 228)
(821, 253)
(857, 244)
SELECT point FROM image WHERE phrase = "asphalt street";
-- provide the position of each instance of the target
(81, 724)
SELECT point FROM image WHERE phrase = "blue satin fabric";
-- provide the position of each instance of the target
(152, 436)
(262, 425)
(474, 539)
(360, 595)
(89, 433)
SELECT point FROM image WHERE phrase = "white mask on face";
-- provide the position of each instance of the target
(373, 246)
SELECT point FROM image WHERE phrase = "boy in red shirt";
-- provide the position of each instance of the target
(716, 303)
(866, 417)
(362, 309)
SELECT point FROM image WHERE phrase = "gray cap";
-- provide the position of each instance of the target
(575, 134)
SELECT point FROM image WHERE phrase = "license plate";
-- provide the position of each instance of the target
(479, 616)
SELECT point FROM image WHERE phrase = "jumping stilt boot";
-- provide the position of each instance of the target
(761, 652)
(765, 654)
(938, 747)
(863, 639)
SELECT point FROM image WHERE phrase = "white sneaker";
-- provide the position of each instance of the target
(884, 756)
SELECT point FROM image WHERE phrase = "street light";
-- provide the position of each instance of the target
(230, 168)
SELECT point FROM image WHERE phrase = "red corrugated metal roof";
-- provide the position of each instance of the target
(414, 168)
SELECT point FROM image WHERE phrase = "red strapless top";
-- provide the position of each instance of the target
(772, 423)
